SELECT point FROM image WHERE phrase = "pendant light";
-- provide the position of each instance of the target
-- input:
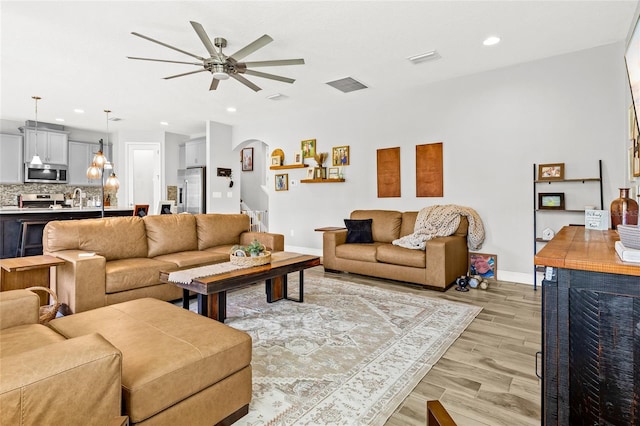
(99, 164)
(36, 161)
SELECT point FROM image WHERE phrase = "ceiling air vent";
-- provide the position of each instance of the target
(347, 84)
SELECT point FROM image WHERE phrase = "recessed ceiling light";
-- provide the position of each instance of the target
(490, 41)
(60, 120)
(231, 109)
(164, 123)
(78, 111)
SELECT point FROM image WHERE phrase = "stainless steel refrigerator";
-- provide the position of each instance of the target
(192, 190)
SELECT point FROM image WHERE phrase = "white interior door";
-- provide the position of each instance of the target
(143, 168)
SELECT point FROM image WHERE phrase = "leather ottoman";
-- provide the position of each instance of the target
(177, 367)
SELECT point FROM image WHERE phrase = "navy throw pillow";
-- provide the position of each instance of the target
(359, 230)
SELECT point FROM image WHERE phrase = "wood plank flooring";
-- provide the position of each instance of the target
(487, 377)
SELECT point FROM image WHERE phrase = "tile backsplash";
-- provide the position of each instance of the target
(9, 192)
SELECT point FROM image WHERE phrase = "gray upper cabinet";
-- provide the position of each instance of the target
(52, 147)
(195, 154)
(11, 163)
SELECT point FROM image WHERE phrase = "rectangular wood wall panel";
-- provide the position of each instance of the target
(429, 170)
(388, 172)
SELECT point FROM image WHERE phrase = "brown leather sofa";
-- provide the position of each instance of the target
(147, 359)
(113, 260)
(437, 267)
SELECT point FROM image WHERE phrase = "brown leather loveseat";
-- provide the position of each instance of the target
(437, 267)
(113, 260)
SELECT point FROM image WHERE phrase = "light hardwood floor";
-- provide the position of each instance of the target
(487, 377)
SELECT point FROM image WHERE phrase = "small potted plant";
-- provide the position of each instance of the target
(250, 255)
(255, 248)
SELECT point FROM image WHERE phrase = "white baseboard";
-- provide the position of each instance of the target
(303, 250)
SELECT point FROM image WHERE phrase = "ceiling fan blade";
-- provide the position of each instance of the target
(214, 84)
(165, 60)
(251, 47)
(276, 63)
(205, 39)
(186, 73)
(167, 45)
(270, 76)
(246, 82)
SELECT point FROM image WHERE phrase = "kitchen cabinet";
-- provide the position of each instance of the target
(195, 154)
(11, 164)
(51, 146)
(80, 157)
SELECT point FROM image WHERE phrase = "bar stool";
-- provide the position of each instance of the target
(28, 230)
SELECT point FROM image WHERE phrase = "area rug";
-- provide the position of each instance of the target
(349, 355)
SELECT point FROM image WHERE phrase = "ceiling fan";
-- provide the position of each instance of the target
(222, 66)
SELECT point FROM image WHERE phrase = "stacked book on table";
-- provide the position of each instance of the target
(628, 248)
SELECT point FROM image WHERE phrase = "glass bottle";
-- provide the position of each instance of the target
(624, 210)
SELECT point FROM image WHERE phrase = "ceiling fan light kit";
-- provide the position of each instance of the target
(221, 66)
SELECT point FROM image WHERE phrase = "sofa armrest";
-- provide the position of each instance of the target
(447, 259)
(273, 242)
(18, 307)
(81, 280)
(331, 240)
(75, 381)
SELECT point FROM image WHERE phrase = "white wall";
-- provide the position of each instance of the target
(221, 198)
(568, 109)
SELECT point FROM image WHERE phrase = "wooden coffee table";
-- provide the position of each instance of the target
(212, 289)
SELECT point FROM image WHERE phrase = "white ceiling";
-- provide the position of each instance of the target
(73, 53)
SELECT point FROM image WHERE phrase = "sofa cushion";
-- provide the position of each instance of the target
(358, 231)
(23, 338)
(385, 226)
(220, 229)
(169, 353)
(361, 252)
(388, 253)
(192, 258)
(170, 233)
(112, 237)
(128, 274)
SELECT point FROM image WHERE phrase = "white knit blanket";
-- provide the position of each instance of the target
(442, 221)
(187, 275)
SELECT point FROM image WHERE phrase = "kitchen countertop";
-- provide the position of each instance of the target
(16, 209)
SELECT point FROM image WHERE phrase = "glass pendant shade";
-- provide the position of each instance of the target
(93, 172)
(35, 161)
(112, 182)
(99, 159)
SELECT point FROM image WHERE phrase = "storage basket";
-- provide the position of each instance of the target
(47, 312)
(247, 261)
(630, 236)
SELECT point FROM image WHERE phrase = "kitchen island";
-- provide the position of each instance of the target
(11, 218)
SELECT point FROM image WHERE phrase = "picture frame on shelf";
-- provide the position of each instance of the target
(297, 157)
(551, 200)
(141, 210)
(166, 207)
(483, 264)
(340, 155)
(276, 160)
(554, 171)
(334, 173)
(310, 172)
(246, 157)
(308, 148)
(319, 172)
(281, 182)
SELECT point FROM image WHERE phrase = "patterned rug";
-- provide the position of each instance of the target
(348, 355)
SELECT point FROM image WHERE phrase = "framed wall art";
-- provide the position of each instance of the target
(485, 265)
(340, 156)
(247, 159)
(553, 171)
(310, 172)
(551, 200)
(334, 173)
(141, 210)
(308, 148)
(297, 157)
(282, 182)
(276, 160)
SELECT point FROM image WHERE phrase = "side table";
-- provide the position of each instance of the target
(23, 272)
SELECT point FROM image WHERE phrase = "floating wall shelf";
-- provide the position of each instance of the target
(289, 166)
(321, 180)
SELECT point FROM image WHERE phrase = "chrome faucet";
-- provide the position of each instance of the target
(78, 191)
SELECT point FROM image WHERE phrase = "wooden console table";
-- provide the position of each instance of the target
(591, 308)
(23, 272)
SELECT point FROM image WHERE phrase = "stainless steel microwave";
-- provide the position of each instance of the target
(45, 173)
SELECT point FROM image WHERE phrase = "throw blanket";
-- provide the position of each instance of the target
(442, 221)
